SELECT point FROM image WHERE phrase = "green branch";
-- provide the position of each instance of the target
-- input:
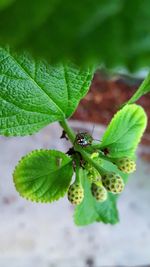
(71, 135)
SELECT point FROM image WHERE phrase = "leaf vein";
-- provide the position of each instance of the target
(35, 82)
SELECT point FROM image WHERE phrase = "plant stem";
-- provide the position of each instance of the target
(71, 135)
(96, 146)
(87, 157)
(78, 171)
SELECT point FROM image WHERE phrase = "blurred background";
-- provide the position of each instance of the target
(115, 37)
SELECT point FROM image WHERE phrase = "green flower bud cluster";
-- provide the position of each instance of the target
(110, 181)
(113, 182)
(107, 181)
(101, 183)
(126, 165)
(99, 192)
(75, 193)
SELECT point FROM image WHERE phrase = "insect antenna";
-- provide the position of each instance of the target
(92, 130)
(92, 134)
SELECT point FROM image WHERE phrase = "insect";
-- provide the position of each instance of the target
(83, 139)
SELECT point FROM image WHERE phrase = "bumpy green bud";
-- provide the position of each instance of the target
(113, 182)
(75, 193)
(95, 178)
(126, 165)
(92, 173)
(99, 192)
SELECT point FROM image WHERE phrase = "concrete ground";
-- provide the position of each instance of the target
(44, 235)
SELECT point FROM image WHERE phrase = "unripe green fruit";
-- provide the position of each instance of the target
(99, 192)
(75, 193)
(96, 179)
(113, 182)
(126, 165)
(92, 173)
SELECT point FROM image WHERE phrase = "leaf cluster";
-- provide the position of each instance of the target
(34, 94)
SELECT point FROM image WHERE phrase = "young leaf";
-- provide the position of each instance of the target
(91, 210)
(43, 175)
(124, 131)
(34, 94)
(142, 90)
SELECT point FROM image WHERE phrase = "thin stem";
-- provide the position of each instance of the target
(96, 146)
(87, 157)
(77, 179)
(71, 135)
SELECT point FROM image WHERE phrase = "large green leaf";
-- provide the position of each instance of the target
(56, 27)
(5, 3)
(125, 131)
(43, 175)
(24, 17)
(34, 94)
(115, 33)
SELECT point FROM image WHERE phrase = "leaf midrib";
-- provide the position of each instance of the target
(67, 89)
(45, 174)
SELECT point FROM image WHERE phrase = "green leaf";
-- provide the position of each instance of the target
(43, 175)
(85, 213)
(54, 31)
(91, 210)
(125, 131)
(142, 90)
(83, 30)
(107, 211)
(18, 15)
(5, 3)
(34, 94)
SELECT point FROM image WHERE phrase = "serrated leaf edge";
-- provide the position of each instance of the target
(30, 198)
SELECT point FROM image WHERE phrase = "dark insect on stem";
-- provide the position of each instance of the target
(83, 139)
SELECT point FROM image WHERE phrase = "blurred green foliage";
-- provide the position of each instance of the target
(5, 3)
(114, 33)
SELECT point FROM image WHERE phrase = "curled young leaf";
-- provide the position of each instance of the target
(43, 175)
